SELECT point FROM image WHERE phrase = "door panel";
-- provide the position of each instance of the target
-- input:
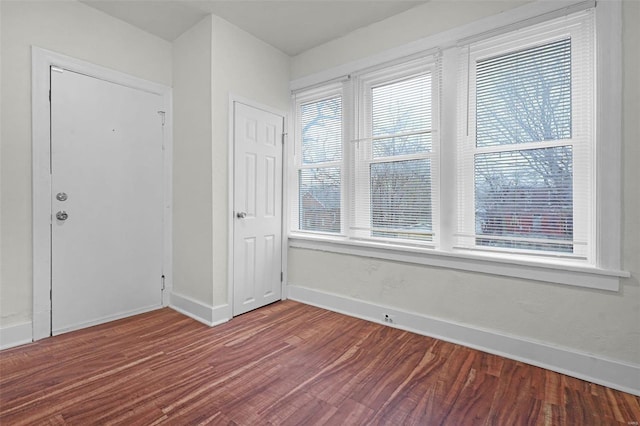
(258, 198)
(106, 156)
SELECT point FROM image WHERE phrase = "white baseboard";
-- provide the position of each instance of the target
(16, 335)
(209, 315)
(607, 372)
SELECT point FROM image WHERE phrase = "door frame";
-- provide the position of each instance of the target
(233, 99)
(41, 61)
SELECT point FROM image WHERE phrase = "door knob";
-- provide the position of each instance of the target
(241, 215)
(62, 215)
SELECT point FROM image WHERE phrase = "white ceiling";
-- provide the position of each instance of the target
(292, 26)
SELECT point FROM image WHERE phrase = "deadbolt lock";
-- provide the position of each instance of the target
(61, 196)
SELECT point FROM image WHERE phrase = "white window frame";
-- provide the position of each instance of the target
(359, 220)
(314, 95)
(605, 271)
(581, 141)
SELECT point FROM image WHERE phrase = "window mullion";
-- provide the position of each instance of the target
(448, 104)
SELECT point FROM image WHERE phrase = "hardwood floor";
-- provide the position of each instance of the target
(287, 363)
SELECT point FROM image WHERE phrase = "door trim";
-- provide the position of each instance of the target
(233, 99)
(41, 61)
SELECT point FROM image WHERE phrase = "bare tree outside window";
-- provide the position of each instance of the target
(524, 197)
(319, 187)
(401, 188)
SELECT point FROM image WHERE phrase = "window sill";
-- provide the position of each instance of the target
(560, 272)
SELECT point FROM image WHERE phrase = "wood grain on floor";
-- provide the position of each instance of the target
(287, 363)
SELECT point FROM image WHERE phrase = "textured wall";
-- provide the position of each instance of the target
(603, 323)
(247, 67)
(192, 196)
(72, 29)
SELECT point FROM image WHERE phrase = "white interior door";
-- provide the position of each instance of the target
(257, 243)
(107, 196)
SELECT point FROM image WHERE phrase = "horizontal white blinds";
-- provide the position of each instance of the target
(391, 188)
(321, 130)
(520, 172)
(524, 96)
(401, 107)
(319, 200)
(526, 167)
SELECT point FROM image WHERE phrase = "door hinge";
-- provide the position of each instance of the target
(162, 116)
(281, 276)
(284, 135)
(162, 282)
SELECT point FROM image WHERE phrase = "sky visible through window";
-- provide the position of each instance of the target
(524, 197)
(401, 188)
(319, 195)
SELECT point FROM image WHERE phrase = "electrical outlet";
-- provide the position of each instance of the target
(387, 318)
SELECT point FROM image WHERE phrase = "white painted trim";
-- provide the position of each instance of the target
(289, 127)
(41, 60)
(489, 26)
(209, 315)
(167, 267)
(560, 273)
(41, 186)
(603, 371)
(609, 128)
(16, 335)
(230, 199)
(233, 98)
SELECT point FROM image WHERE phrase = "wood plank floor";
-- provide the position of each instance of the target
(287, 363)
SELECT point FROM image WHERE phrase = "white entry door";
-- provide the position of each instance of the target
(257, 243)
(107, 197)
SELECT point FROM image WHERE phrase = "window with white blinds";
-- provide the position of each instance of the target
(525, 149)
(393, 156)
(482, 148)
(319, 163)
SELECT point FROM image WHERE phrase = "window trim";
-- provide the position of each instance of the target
(581, 141)
(363, 84)
(606, 273)
(316, 94)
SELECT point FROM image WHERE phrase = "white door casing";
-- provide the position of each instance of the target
(44, 197)
(257, 207)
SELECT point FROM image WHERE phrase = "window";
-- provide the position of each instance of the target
(526, 169)
(319, 174)
(392, 159)
(477, 155)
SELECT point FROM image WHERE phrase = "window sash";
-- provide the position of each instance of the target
(328, 215)
(364, 160)
(579, 28)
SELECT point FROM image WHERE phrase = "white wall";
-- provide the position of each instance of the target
(212, 61)
(75, 30)
(192, 196)
(418, 22)
(605, 324)
(247, 67)
(209, 61)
